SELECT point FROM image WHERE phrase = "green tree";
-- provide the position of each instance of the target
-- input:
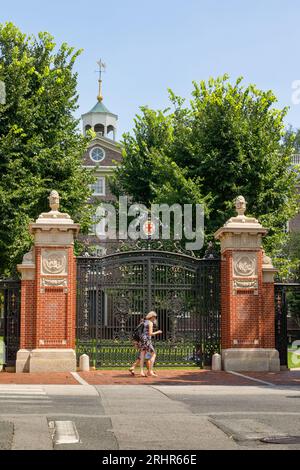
(295, 135)
(40, 146)
(229, 141)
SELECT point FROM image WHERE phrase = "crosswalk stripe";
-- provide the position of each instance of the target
(25, 397)
(28, 402)
(25, 390)
(22, 394)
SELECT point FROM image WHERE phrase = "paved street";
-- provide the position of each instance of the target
(149, 416)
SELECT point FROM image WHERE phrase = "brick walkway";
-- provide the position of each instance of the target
(288, 377)
(45, 378)
(166, 377)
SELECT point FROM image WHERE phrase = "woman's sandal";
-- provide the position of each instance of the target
(143, 375)
(153, 374)
(131, 370)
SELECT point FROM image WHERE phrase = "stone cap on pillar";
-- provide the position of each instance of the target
(59, 224)
(27, 268)
(240, 231)
(52, 228)
(268, 269)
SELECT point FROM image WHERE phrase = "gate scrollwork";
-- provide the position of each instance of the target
(116, 291)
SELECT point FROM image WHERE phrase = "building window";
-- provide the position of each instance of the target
(97, 154)
(98, 187)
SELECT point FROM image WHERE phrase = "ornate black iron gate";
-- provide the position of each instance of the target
(287, 302)
(114, 292)
(10, 298)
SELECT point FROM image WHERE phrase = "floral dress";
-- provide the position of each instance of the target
(146, 343)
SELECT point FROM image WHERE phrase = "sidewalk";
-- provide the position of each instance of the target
(41, 378)
(184, 377)
(287, 377)
(165, 377)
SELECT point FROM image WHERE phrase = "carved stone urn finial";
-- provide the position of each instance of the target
(240, 205)
(54, 200)
(54, 212)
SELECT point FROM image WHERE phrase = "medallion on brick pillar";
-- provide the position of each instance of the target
(247, 295)
(48, 289)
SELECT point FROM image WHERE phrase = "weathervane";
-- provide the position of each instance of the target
(102, 68)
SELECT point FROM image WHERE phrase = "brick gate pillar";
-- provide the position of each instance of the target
(48, 289)
(247, 296)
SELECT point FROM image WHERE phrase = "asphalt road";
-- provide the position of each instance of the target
(148, 417)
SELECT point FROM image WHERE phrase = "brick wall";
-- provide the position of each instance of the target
(48, 313)
(247, 315)
(268, 316)
(28, 315)
(110, 155)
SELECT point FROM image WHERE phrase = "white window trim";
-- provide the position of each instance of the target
(91, 151)
(104, 187)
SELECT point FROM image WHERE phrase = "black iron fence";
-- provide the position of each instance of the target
(10, 298)
(115, 292)
(1, 326)
(287, 307)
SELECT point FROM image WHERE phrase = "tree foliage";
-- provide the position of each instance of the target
(294, 134)
(40, 146)
(230, 140)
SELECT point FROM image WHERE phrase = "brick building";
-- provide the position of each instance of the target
(103, 155)
(294, 224)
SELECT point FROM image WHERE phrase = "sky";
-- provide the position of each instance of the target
(150, 46)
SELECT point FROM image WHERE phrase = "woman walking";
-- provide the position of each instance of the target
(137, 361)
(146, 345)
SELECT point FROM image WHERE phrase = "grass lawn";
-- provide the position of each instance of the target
(120, 355)
(295, 363)
(195, 368)
(132, 352)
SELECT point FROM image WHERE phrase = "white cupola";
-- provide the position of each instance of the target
(99, 118)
